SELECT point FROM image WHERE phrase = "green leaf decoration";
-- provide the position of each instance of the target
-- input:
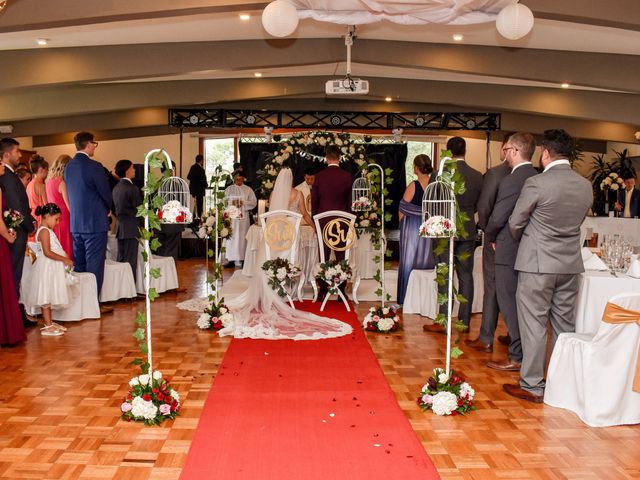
(155, 273)
(442, 298)
(139, 334)
(441, 319)
(456, 352)
(153, 294)
(143, 348)
(210, 253)
(461, 299)
(141, 319)
(155, 244)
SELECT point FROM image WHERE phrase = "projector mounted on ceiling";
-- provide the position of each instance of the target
(348, 85)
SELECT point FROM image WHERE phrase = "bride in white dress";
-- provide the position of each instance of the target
(261, 313)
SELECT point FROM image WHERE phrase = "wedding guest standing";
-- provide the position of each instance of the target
(90, 200)
(518, 153)
(628, 204)
(463, 246)
(16, 199)
(198, 184)
(36, 190)
(415, 251)
(546, 220)
(25, 175)
(237, 244)
(57, 193)
(11, 328)
(127, 199)
(490, 182)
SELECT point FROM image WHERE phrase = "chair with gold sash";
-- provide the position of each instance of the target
(339, 235)
(597, 376)
(281, 232)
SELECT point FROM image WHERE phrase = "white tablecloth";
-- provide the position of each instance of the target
(112, 247)
(118, 282)
(308, 256)
(595, 291)
(628, 227)
(422, 290)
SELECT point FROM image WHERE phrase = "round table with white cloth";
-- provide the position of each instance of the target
(422, 290)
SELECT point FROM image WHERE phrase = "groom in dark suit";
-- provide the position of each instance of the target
(331, 191)
(518, 152)
(17, 200)
(90, 201)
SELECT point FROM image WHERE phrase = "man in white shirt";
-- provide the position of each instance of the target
(629, 199)
(242, 197)
(305, 187)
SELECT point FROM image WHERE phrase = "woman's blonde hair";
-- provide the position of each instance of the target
(57, 169)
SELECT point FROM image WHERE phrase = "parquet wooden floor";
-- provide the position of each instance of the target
(60, 397)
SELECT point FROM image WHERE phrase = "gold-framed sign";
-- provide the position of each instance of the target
(279, 234)
(338, 235)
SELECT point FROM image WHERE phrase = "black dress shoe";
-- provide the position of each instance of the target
(229, 265)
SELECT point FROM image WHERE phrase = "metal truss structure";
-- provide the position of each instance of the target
(425, 121)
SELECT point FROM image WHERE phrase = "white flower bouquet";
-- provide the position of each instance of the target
(174, 212)
(382, 320)
(362, 204)
(150, 403)
(446, 394)
(215, 317)
(436, 226)
(208, 222)
(280, 273)
(613, 181)
(334, 274)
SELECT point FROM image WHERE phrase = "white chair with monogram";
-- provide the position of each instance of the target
(339, 235)
(597, 376)
(281, 233)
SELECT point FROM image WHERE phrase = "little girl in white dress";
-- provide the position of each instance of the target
(49, 288)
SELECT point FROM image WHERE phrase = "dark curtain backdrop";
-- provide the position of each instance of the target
(253, 158)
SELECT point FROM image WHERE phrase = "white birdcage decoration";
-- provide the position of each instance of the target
(234, 201)
(174, 192)
(438, 211)
(361, 195)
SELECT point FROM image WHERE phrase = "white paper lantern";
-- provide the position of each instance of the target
(280, 18)
(514, 21)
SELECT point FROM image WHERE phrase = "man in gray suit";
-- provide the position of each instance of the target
(127, 198)
(546, 220)
(490, 182)
(518, 152)
(468, 203)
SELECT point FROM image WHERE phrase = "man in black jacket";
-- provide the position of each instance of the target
(127, 199)
(197, 184)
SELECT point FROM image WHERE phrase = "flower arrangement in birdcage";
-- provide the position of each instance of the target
(225, 224)
(436, 226)
(382, 320)
(151, 403)
(361, 204)
(446, 394)
(216, 316)
(174, 212)
(280, 273)
(334, 274)
(612, 182)
(12, 219)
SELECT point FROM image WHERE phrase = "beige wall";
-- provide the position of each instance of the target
(134, 149)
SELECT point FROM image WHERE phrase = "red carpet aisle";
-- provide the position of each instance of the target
(281, 410)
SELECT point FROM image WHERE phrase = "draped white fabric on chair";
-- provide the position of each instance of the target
(168, 274)
(118, 282)
(592, 374)
(404, 12)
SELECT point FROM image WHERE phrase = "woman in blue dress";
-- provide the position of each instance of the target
(415, 252)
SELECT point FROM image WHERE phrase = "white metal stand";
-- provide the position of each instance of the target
(383, 238)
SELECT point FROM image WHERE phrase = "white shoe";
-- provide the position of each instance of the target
(59, 327)
(50, 331)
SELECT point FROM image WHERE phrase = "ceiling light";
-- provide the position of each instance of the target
(565, 85)
(245, 17)
(388, 99)
(257, 74)
(42, 41)
(458, 37)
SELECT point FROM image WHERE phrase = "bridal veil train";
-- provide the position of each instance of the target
(259, 312)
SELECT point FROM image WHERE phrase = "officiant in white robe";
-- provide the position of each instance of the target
(244, 198)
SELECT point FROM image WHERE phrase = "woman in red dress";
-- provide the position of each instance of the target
(57, 193)
(11, 328)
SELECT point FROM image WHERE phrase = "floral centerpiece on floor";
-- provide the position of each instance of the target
(174, 212)
(362, 204)
(12, 219)
(215, 317)
(280, 273)
(612, 182)
(208, 223)
(382, 320)
(334, 274)
(446, 394)
(436, 226)
(150, 403)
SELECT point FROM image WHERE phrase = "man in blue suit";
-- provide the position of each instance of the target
(628, 203)
(90, 201)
